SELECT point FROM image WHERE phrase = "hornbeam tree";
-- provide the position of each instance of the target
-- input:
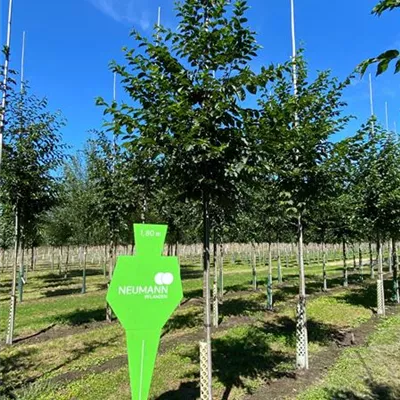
(390, 200)
(341, 208)
(379, 194)
(295, 136)
(187, 89)
(105, 171)
(32, 153)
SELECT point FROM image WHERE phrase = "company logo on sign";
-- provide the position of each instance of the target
(159, 291)
(163, 278)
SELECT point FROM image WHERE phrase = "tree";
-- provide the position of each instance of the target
(32, 153)
(389, 202)
(295, 129)
(384, 59)
(187, 109)
(377, 186)
(105, 172)
(341, 209)
(72, 221)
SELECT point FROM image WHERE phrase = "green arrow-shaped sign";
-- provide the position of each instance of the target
(144, 292)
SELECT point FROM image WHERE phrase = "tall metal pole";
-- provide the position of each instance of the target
(113, 246)
(23, 63)
(13, 299)
(294, 52)
(301, 318)
(5, 78)
(114, 99)
(371, 95)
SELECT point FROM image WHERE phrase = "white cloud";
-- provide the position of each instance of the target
(128, 11)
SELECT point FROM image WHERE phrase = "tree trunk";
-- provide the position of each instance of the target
(221, 271)
(13, 299)
(279, 263)
(371, 261)
(3, 255)
(66, 264)
(105, 261)
(215, 284)
(396, 292)
(32, 258)
(84, 267)
(345, 272)
(380, 281)
(110, 274)
(206, 288)
(269, 284)
(360, 262)
(301, 317)
(324, 277)
(21, 273)
(52, 258)
(253, 262)
(60, 256)
(390, 257)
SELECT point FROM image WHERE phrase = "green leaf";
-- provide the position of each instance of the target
(382, 67)
(397, 69)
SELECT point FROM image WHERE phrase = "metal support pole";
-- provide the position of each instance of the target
(5, 79)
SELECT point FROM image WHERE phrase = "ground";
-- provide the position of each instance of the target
(65, 349)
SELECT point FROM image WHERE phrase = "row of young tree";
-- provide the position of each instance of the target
(207, 145)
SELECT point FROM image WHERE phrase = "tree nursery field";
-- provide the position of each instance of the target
(65, 349)
(229, 226)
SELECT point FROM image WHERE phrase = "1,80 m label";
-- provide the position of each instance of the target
(149, 233)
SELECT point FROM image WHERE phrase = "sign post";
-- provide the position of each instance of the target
(145, 290)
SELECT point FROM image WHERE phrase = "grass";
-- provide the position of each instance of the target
(66, 306)
(261, 347)
(243, 357)
(366, 372)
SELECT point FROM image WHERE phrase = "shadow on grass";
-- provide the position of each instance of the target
(5, 285)
(377, 392)
(102, 286)
(76, 354)
(72, 273)
(191, 272)
(239, 287)
(63, 292)
(365, 297)
(10, 370)
(188, 320)
(187, 391)
(241, 357)
(318, 332)
(192, 294)
(80, 317)
(237, 359)
(238, 307)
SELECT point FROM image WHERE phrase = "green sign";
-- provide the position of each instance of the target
(144, 292)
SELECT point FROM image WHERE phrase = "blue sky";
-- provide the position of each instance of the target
(71, 42)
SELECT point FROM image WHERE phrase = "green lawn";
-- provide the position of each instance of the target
(366, 372)
(250, 347)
